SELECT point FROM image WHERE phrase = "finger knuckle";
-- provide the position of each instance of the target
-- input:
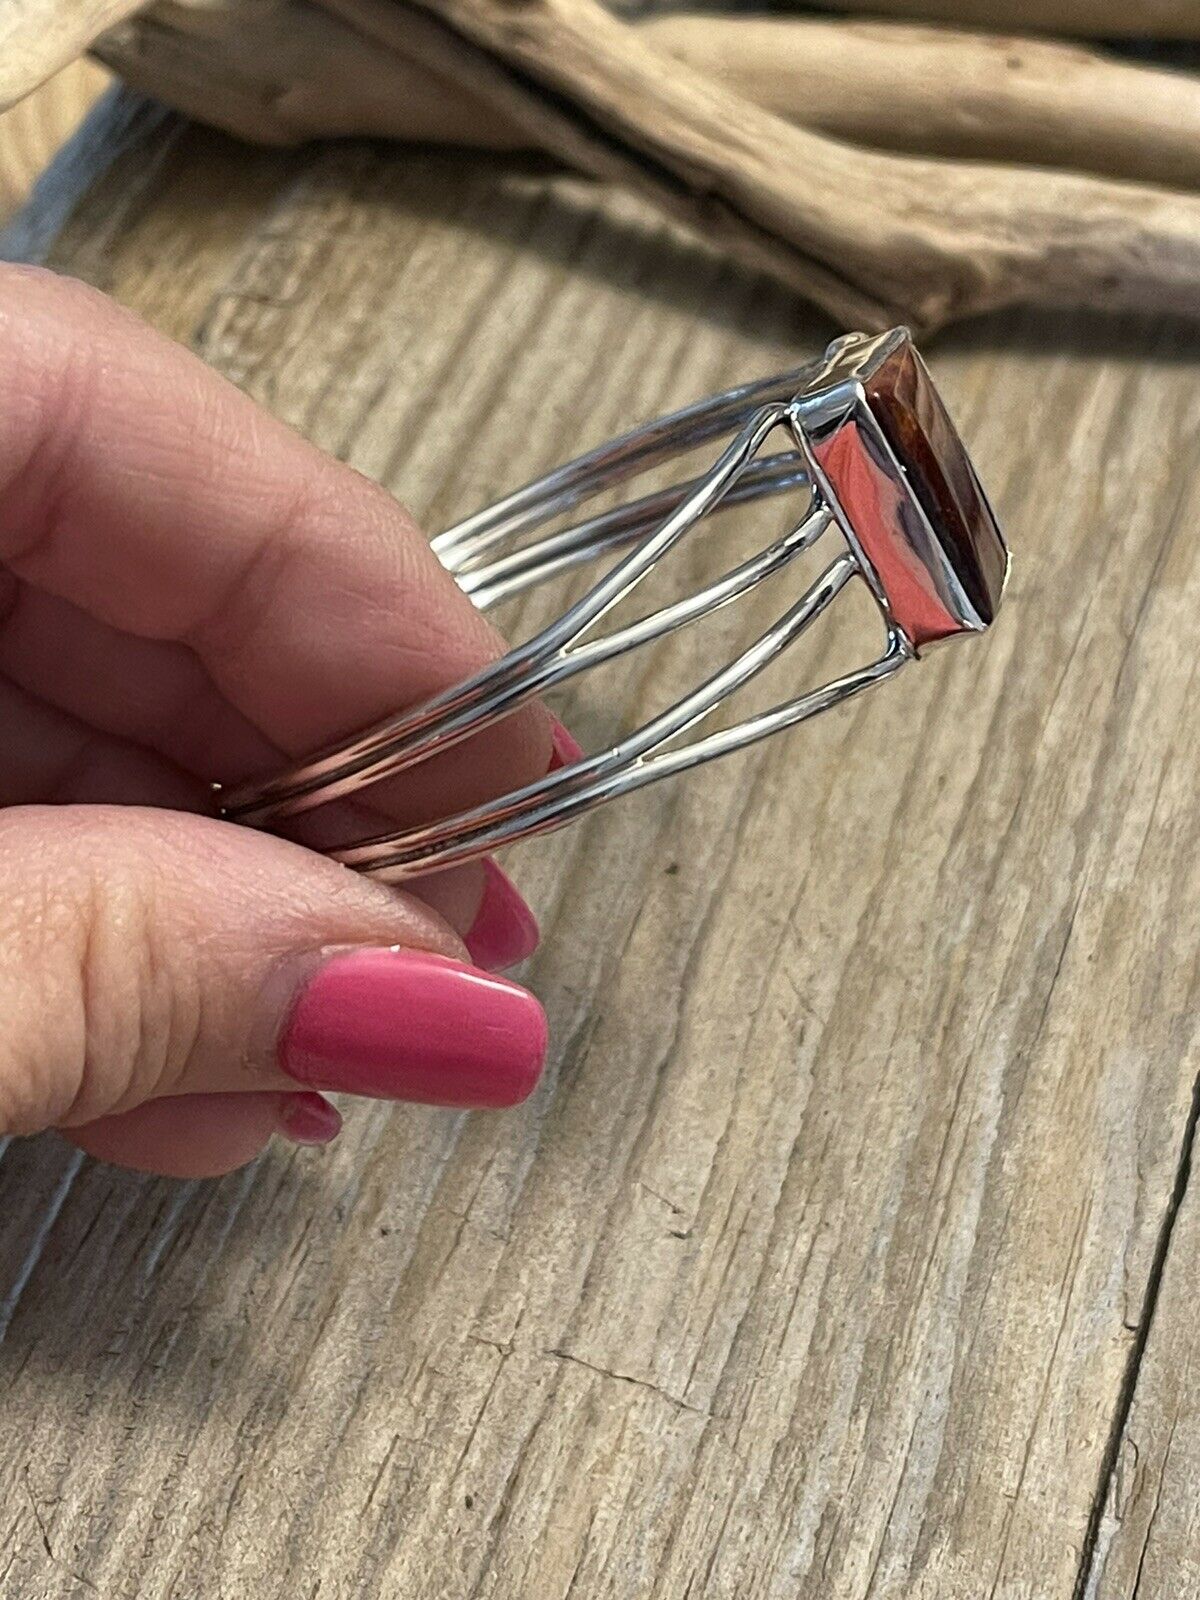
(95, 1014)
(127, 996)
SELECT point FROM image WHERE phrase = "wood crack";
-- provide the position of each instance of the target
(76, 1577)
(1092, 1554)
(638, 1383)
(1153, 1518)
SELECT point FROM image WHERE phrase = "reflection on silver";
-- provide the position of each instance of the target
(914, 555)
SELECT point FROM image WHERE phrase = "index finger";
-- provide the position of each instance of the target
(141, 487)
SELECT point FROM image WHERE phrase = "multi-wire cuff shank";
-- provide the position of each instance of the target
(863, 431)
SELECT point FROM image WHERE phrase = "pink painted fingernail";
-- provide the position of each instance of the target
(409, 1025)
(308, 1119)
(566, 748)
(505, 930)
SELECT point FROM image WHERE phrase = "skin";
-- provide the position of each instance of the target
(190, 592)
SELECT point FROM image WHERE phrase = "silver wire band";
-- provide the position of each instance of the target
(625, 767)
(651, 525)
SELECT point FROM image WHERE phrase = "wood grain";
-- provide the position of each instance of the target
(39, 38)
(1102, 19)
(1147, 1521)
(296, 71)
(871, 236)
(850, 1234)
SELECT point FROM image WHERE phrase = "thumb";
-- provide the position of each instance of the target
(146, 954)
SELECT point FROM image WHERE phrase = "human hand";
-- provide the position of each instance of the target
(189, 592)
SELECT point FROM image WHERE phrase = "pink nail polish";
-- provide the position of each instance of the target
(308, 1119)
(566, 748)
(505, 930)
(408, 1025)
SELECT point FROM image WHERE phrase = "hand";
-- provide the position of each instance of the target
(189, 592)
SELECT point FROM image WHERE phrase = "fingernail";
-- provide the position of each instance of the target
(505, 930)
(409, 1025)
(308, 1119)
(566, 748)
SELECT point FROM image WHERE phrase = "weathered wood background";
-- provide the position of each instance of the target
(848, 1249)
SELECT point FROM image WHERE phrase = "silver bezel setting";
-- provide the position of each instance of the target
(838, 401)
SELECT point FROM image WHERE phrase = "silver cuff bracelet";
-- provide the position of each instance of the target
(863, 436)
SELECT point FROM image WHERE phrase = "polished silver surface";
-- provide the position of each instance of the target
(878, 507)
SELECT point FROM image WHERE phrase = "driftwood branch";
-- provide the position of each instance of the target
(38, 37)
(939, 91)
(1088, 19)
(828, 151)
(296, 72)
(873, 238)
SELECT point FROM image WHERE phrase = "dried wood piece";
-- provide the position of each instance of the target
(943, 91)
(38, 37)
(294, 71)
(1096, 19)
(33, 131)
(872, 238)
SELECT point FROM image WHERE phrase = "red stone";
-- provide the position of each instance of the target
(915, 423)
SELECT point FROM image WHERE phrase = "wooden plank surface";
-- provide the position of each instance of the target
(1148, 1521)
(847, 1248)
